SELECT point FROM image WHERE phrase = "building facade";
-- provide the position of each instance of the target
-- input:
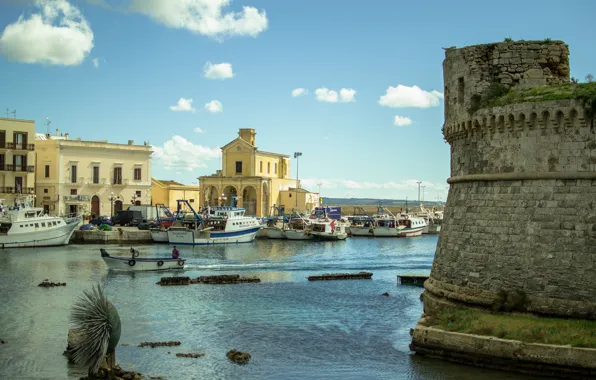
(17, 158)
(92, 178)
(168, 192)
(253, 178)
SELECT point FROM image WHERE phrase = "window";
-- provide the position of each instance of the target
(96, 174)
(117, 176)
(268, 167)
(47, 171)
(45, 191)
(238, 167)
(275, 168)
(73, 174)
(36, 225)
(73, 191)
(137, 174)
(138, 193)
(191, 200)
(43, 224)
(260, 166)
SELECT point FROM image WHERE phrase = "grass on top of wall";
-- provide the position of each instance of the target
(498, 95)
(525, 328)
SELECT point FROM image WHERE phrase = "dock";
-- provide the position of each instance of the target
(342, 276)
(226, 279)
(118, 235)
(412, 279)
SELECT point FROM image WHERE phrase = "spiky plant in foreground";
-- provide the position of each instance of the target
(99, 325)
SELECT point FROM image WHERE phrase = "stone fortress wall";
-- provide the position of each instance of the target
(521, 210)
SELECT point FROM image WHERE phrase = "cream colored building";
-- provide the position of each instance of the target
(168, 192)
(76, 177)
(17, 158)
(254, 178)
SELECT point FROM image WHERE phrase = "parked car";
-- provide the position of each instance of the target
(101, 220)
(128, 218)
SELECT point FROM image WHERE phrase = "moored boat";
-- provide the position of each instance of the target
(410, 226)
(23, 225)
(326, 229)
(299, 229)
(134, 263)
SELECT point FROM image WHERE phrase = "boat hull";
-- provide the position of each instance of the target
(298, 235)
(411, 232)
(42, 238)
(329, 237)
(386, 232)
(191, 237)
(360, 231)
(159, 236)
(130, 264)
(274, 233)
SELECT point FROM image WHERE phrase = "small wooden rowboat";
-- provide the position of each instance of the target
(135, 264)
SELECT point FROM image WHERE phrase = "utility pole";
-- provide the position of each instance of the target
(418, 182)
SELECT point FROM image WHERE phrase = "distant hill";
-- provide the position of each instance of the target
(374, 202)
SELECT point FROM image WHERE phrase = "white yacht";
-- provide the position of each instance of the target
(23, 225)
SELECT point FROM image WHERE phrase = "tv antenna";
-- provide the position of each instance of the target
(13, 112)
(48, 122)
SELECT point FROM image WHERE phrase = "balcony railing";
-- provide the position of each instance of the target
(118, 181)
(17, 190)
(99, 182)
(16, 146)
(17, 168)
(76, 198)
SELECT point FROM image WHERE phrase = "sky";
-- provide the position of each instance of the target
(356, 87)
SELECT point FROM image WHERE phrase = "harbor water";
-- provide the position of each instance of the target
(293, 328)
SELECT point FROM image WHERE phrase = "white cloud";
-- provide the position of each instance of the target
(183, 105)
(299, 92)
(401, 121)
(347, 94)
(404, 96)
(95, 62)
(180, 154)
(199, 130)
(58, 35)
(206, 17)
(214, 106)
(331, 96)
(218, 70)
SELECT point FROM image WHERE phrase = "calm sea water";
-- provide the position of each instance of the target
(294, 329)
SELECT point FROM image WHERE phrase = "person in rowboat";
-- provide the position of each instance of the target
(175, 253)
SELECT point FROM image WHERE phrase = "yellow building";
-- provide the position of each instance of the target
(256, 179)
(17, 158)
(292, 197)
(168, 192)
(76, 177)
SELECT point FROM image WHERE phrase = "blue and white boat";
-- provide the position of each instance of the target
(219, 225)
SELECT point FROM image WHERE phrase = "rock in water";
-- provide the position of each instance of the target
(238, 357)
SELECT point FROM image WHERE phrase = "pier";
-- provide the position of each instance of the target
(119, 235)
(342, 276)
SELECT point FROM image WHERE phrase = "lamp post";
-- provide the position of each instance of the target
(423, 194)
(418, 182)
(111, 199)
(296, 156)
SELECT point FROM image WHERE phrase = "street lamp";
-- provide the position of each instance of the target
(296, 155)
(418, 182)
(423, 194)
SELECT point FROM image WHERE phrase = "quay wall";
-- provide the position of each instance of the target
(120, 236)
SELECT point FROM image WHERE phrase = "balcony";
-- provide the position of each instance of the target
(100, 182)
(16, 146)
(76, 198)
(15, 190)
(117, 181)
(17, 168)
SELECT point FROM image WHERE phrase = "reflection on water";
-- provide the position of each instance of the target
(293, 328)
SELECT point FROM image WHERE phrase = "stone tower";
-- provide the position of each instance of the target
(521, 210)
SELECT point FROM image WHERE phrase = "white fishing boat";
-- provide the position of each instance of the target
(23, 225)
(299, 229)
(219, 225)
(159, 235)
(410, 226)
(328, 229)
(134, 263)
(164, 218)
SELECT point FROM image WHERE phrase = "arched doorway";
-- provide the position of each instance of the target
(211, 196)
(265, 200)
(229, 193)
(117, 206)
(95, 206)
(249, 200)
(137, 203)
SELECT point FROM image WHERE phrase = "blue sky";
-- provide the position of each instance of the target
(126, 69)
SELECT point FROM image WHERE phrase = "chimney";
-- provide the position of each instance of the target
(66, 136)
(57, 130)
(131, 142)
